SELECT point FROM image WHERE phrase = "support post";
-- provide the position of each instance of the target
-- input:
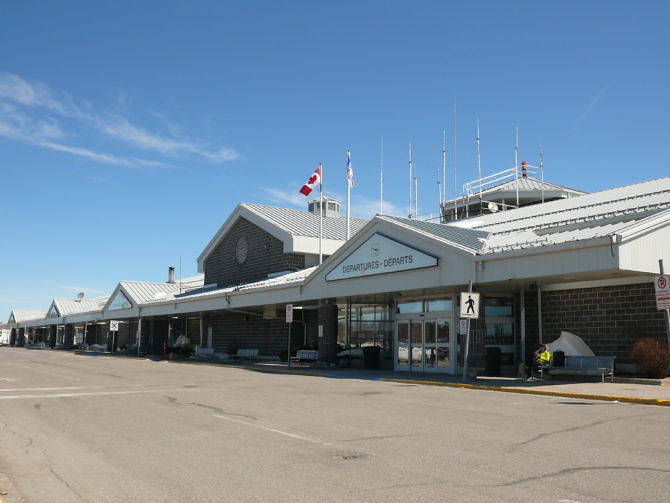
(667, 311)
(539, 313)
(522, 302)
(467, 341)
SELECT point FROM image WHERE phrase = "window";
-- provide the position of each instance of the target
(495, 307)
(438, 305)
(410, 307)
(53, 312)
(120, 301)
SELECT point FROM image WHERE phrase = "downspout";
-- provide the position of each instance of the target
(522, 349)
(539, 313)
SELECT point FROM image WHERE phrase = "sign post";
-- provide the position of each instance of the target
(469, 310)
(662, 286)
(114, 328)
(289, 320)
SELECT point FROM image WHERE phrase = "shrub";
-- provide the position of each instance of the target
(652, 357)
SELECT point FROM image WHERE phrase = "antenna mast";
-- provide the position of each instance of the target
(409, 213)
(516, 165)
(416, 193)
(542, 170)
(443, 195)
(455, 183)
(381, 181)
(479, 170)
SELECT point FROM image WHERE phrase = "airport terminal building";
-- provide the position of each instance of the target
(580, 262)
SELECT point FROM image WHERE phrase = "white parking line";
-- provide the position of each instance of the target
(272, 430)
(103, 393)
(63, 388)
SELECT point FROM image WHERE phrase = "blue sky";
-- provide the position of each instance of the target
(130, 130)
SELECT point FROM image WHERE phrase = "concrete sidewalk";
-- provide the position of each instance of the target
(634, 390)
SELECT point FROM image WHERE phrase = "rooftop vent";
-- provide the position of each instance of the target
(331, 207)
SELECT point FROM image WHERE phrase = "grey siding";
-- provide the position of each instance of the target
(233, 331)
(265, 256)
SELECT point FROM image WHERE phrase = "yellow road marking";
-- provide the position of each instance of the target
(527, 391)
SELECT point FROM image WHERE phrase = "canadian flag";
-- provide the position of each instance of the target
(312, 182)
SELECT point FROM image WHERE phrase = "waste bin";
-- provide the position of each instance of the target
(492, 366)
(371, 357)
(558, 359)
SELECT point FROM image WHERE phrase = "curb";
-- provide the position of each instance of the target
(564, 394)
(256, 369)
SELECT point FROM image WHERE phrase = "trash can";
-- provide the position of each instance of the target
(492, 366)
(558, 359)
(371, 357)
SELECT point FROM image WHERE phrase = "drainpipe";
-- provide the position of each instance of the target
(539, 313)
(522, 349)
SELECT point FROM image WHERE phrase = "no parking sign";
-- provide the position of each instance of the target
(662, 285)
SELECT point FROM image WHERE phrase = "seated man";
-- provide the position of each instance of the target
(541, 357)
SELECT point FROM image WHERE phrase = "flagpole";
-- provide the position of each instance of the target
(381, 181)
(348, 194)
(320, 213)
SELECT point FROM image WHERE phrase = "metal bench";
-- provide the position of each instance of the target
(305, 355)
(584, 365)
(204, 352)
(246, 354)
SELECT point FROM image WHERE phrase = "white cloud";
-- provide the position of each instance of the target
(34, 113)
(280, 196)
(89, 154)
(592, 104)
(122, 129)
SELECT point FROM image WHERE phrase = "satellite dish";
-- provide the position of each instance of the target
(80, 296)
(493, 207)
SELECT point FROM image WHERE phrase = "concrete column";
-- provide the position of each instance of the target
(68, 336)
(328, 332)
(52, 336)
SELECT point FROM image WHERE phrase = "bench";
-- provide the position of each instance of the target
(204, 352)
(305, 355)
(247, 354)
(584, 365)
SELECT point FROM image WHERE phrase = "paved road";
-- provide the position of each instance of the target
(80, 428)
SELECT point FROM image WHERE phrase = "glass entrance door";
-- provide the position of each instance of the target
(424, 346)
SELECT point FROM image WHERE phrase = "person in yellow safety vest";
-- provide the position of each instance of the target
(541, 357)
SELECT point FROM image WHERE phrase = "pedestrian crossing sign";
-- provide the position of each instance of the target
(469, 305)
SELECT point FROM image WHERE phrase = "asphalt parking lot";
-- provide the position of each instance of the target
(90, 428)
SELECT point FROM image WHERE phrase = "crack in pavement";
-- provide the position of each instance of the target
(48, 459)
(218, 410)
(514, 447)
(568, 471)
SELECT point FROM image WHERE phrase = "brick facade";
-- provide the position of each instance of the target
(609, 319)
(265, 255)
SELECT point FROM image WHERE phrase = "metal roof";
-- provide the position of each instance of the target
(144, 292)
(73, 306)
(472, 240)
(527, 183)
(269, 283)
(21, 315)
(304, 223)
(633, 199)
